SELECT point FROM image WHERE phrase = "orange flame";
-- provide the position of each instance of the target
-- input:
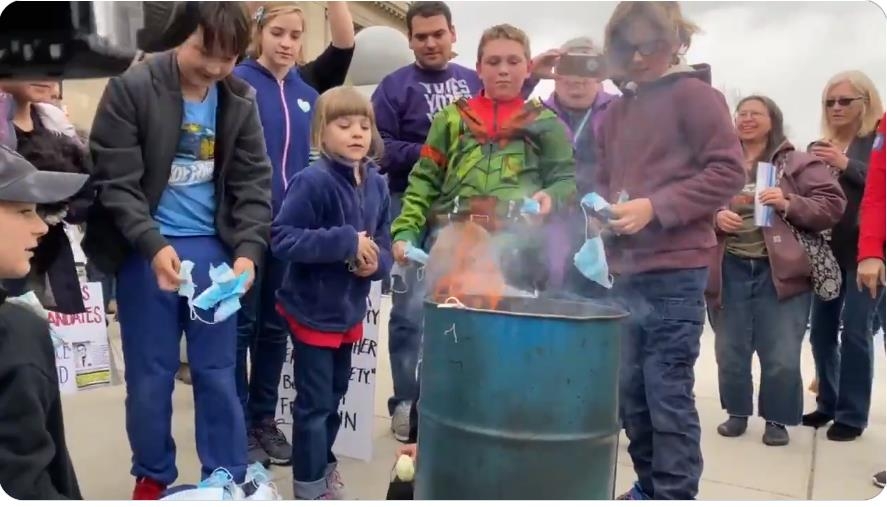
(471, 273)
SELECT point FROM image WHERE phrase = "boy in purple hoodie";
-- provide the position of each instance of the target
(668, 144)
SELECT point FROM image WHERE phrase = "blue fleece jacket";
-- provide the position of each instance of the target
(316, 232)
(285, 109)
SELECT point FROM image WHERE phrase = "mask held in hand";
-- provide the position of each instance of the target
(591, 259)
(224, 293)
(414, 254)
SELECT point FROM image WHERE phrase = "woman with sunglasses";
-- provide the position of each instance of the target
(851, 109)
(670, 157)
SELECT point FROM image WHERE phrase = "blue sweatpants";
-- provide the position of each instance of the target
(151, 325)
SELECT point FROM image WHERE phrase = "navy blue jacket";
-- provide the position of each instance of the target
(316, 232)
(285, 110)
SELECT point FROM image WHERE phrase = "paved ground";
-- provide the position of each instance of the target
(811, 467)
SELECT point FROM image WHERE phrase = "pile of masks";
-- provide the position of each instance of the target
(224, 293)
(221, 486)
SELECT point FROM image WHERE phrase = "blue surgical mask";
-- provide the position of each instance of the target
(414, 254)
(224, 293)
(591, 259)
(31, 302)
(530, 207)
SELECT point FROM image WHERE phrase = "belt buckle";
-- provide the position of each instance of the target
(479, 218)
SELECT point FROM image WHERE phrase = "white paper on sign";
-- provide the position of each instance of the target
(355, 438)
(84, 362)
(765, 178)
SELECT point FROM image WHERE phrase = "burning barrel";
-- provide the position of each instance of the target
(519, 402)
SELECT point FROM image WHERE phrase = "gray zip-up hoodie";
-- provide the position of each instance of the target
(133, 142)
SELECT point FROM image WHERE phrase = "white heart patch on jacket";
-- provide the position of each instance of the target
(303, 105)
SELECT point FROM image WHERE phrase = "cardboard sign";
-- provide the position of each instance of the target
(355, 438)
(84, 361)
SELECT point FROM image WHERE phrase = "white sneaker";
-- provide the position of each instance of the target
(335, 488)
(400, 421)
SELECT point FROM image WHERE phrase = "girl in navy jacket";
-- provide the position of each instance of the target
(286, 89)
(333, 231)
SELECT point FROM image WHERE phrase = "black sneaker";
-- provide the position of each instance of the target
(254, 451)
(878, 479)
(816, 419)
(733, 427)
(840, 432)
(775, 435)
(274, 443)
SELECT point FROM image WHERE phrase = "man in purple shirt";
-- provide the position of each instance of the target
(405, 102)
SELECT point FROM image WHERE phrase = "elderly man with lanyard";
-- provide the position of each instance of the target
(579, 101)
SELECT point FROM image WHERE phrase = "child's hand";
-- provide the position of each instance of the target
(367, 249)
(411, 450)
(367, 268)
(241, 265)
(631, 216)
(399, 251)
(544, 201)
(166, 265)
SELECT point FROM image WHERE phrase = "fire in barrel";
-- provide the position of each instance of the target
(519, 394)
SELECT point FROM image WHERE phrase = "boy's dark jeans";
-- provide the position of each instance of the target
(262, 331)
(660, 346)
(321, 378)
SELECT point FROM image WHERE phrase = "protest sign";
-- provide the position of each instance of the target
(84, 359)
(355, 438)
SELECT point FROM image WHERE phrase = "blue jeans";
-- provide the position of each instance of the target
(151, 325)
(404, 327)
(657, 405)
(845, 376)
(321, 381)
(262, 331)
(753, 320)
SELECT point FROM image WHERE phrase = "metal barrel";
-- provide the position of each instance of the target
(520, 402)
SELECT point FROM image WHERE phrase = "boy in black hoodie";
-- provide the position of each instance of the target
(34, 461)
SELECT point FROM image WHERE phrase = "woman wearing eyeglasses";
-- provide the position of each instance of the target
(759, 289)
(851, 109)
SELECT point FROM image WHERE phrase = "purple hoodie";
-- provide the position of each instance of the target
(583, 142)
(671, 141)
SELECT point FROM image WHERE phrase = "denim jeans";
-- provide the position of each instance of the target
(321, 381)
(845, 375)
(404, 327)
(262, 331)
(657, 404)
(753, 320)
(151, 325)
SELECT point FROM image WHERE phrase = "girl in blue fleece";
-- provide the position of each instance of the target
(333, 230)
(286, 89)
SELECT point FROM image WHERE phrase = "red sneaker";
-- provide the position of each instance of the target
(147, 489)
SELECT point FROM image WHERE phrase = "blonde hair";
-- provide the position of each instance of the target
(504, 32)
(872, 107)
(267, 12)
(665, 16)
(336, 103)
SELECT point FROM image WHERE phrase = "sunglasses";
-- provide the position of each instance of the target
(624, 51)
(843, 102)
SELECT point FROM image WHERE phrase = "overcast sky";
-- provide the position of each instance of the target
(787, 50)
